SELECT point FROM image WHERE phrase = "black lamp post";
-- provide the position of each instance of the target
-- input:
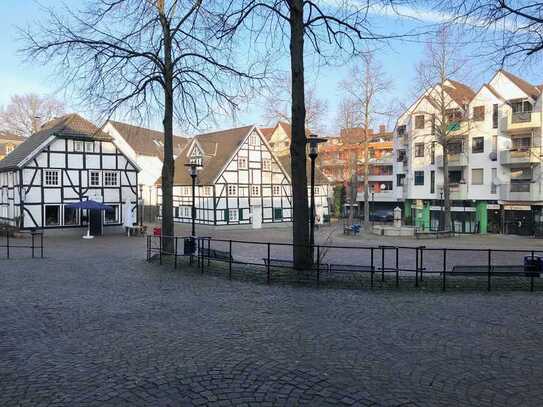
(193, 174)
(141, 205)
(372, 206)
(441, 219)
(313, 141)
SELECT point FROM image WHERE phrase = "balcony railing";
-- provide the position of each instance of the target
(521, 191)
(523, 120)
(521, 156)
(454, 160)
(458, 191)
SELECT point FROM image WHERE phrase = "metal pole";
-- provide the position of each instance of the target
(416, 267)
(268, 265)
(230, 260)
(397, 267)
(371, 267)
(318, 265)
(32, 234)
(382, 263)
(444, 269)
(312, 210)
(175, 252)
(193, 205)
(532, 275)
(489, 267)
(421, 261)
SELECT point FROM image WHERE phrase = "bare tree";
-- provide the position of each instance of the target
(277, 103)
(328, 26)
(513, 30)
(348, 114)
(25, 114)
(445, 109)
(366, 85)
(143, 58)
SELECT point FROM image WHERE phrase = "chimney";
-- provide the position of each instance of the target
(382, 129)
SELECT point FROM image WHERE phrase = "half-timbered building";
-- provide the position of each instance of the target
(240, 180)
(67, 161)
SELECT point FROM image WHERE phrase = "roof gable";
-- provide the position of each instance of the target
(529, 89)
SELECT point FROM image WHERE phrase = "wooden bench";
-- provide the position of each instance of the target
(501, 270)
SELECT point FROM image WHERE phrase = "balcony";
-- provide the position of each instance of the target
(458, 128)
(521, 191)
(383, 159)
(523, 121)
(383, 196)
(454, 160)
(458, 192)
(521, 156)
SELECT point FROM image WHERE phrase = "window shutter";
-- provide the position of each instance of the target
(240, 216)
(226, 215)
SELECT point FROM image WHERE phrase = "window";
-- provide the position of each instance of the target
(419, 121)
(400, 180)
(176, 212)
(419, 149)
(253, 140)
(52, 177)
(401, 156)
(186, 191)
(433, 153)
(521, 143)
(196, 160)
(455, 176)
(478, 145)
(494, 144)
(278, 213)
(317, 190)
(266, 165)
(419, 177)
(52, 215)
(90, 147)
(243, 191)
(479, 113)
(71, 216)
(521, 106)
(111, 179)
(401, 130)
(455, 147)
(112, 215)
(231, 215)
(242, 163)
(477, 176)
(276, 190)
(255, 190)
(232, 190)
(78, 146)
(9, 148)
(494, 116)
(94, 178)
(207, 191)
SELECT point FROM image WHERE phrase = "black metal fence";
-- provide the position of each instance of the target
(393, 265)
(30, 242)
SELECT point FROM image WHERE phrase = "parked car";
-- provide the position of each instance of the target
(382, 215)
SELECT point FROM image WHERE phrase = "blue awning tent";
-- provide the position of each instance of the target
(89, 204)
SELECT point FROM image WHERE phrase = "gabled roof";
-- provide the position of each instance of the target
(320, 178)
(219, 147)
(69, 126)
(267, 132)
(529, 89)
(460, 93)
(146, 141)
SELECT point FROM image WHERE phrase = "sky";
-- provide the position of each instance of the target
(398, 58)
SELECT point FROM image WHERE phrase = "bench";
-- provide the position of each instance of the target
(504, 271)
(216, 254)
(351, 229)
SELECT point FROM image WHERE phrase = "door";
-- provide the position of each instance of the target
(256, 216)
(96, 222)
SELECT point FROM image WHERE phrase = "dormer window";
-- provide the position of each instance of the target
(196, 160)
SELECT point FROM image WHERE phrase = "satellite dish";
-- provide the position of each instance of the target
(493, 156)
(383, 187)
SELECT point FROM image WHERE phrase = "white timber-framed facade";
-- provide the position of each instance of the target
(69, 160)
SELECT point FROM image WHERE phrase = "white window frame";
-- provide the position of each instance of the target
(245, 163)
(186, 212)
(232, 190)
(117, 215)
(233, 215)
(88, 149)
(59, 215)
(276, 190)
(48, 184)
(255, 190)
(266, 164)
(106, 173)
(78, 221)
(77, 146)
(99, 178)
(253, 140)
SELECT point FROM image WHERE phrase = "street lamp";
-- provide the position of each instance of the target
(314, 142)
(193, 174)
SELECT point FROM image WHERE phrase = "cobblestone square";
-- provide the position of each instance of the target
(94, 324)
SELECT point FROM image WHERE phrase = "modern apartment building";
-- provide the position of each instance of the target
(494, 157)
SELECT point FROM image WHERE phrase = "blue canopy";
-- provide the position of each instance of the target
(89, 204)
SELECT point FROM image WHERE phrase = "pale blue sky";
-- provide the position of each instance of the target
(398, 59)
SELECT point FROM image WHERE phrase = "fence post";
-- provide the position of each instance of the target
(444, 269)
(382, 263)
(201, 254)
(7, 239)
(416, 266)
(268, 264)
(41, 244)
(318, 265)
(208, 251)
(175, 252)
(421, 259)
(397, 267)
(371, 267)
(230, 260)
(489, 268)
(32, 234)
(532, 275)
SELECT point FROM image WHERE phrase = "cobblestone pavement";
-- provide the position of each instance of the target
(94, 324)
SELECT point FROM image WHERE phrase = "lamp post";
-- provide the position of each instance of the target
(313, 141)
(441, 221)
(193, 174)
(142, 205)
(372, 206)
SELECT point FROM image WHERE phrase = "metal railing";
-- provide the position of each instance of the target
(11, 245)
(416, 264)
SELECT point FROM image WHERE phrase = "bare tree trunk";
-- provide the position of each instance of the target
(446, 191)
(366, 184)
(168, 163)
(300, 226)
